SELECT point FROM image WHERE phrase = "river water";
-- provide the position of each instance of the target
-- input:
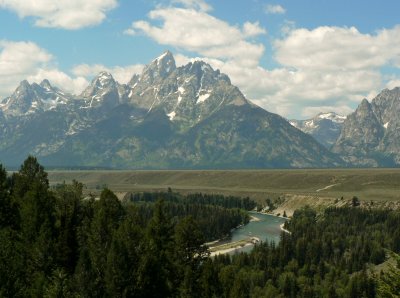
(267, 229)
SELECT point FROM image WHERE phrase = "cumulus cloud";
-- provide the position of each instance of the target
(274, 9)
(336, 48)
(393, 83)
(335, 64)
(200, 32)
(129, 31)
(60, 79)
(253, 29)
(121, 74)
(329, 67)
(66, 14)
(325, 69)
(26, 60)
(195, 4)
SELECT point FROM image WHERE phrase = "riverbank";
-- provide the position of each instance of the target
(229, 247)
(261, 227)
(283, 229)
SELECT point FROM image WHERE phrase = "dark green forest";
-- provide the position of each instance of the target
(56, 242)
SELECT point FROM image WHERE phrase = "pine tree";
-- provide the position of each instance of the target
(108, 214)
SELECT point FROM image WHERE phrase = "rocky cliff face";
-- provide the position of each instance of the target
(371, 135)
(165, 117)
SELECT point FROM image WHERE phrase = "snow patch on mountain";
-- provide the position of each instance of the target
(386, 125)
(332, 116)
(324, 127)
(171, 115)
(203, 98)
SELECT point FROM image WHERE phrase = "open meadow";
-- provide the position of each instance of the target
(318, 184)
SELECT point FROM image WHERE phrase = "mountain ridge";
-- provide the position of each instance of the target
(325, 127)
(371, 134)
(166, 117)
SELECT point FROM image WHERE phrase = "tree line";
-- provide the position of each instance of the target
(54, 242)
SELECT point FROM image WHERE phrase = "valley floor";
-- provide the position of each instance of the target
(290, 189)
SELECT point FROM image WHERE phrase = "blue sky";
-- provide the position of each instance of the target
(295, 58)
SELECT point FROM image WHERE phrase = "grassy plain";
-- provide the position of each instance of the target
(314, 184)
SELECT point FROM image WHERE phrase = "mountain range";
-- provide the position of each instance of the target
(324, 127)
(186, 117)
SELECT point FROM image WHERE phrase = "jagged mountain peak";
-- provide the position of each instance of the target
(387, 91)
(386, 99)
(32, 98)
(325, 127)
(104, 78)
(24, 84)
(201, 68)
(364, 109)
(168, 117)
(46, 84)
(165, 58)
(364, 103)
(159, 68)
(370, 136)
(102, 92)
(133, 80)
(102, 83)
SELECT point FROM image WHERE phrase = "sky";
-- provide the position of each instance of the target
(294, 57)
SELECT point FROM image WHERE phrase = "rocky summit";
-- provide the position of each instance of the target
(166, 117)
(324, 127)
(371, 135)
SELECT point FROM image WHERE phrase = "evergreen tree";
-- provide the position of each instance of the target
(190, 254)
(8, 210)
(123, 260)
(155, 276)
(108, 213)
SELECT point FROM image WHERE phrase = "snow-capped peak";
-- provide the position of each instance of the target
(166, 56)
(104, 78)
(332, 116)
(159, 68)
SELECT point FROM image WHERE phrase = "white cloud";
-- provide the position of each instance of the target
(336, 48)
(121, 74)
(60, 79)
(195, 4)
(12, 53)
(253, 29)
(26, 60)
(329, 67)
(17, 61)
(325, 69)
(200, 32)
(66, 14)
(393, 83)
(129, 31)
(274, 9)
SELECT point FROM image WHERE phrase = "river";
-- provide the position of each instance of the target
(267, 228)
